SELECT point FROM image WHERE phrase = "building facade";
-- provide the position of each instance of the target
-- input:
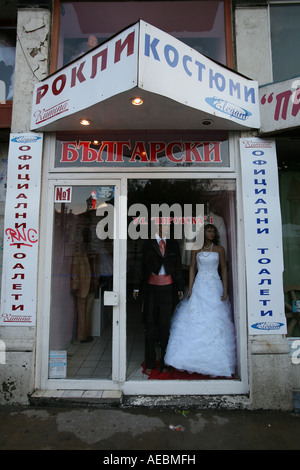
(213, 138)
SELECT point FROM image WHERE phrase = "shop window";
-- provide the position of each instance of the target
(82, 270)
(285, 37)
(84, 25)
(175, 202)
(289, 185)
(81, 340)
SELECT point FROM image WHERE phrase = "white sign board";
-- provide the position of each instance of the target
(96, 76)
(145, 58)
(58, 364)
(170, 68)
(263, 237)
(21, 231)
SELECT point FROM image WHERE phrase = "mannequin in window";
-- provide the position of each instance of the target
(161, 274)
(202, 335)
(85, 285)
(193, 231)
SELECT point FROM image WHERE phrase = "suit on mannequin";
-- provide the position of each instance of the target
(85, 284)
(161, 274)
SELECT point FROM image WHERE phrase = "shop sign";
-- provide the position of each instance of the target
(170, 68)
(21, 231)
(280, 105)
(63, 194)
(145, 58)
(263, 237)
(98, 75)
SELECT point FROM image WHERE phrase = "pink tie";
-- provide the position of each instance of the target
(162, 246)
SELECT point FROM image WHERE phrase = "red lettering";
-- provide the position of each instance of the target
(18, 237)
(69, 154)
(18, 266)
(282, 98)
(119, 47)
(24, 157)
(139, 150)
(56, 90)
(109, 151)
(24, 148)
(114, 151)
(103, 56)
(20, 255)
(23, 167)
(77, 74)
(32, 235)
(155, 148)
(119, 151)
(191, 148)
(88, 154)
(41, 91)
(17, 307)
(213, 150)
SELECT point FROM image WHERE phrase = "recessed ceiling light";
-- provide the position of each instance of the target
(85, 122)
(206, 122)
(137, 101)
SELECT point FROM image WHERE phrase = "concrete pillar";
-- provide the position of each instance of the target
(32, 62)
(32, 65)
(253, 43)
(270, 373)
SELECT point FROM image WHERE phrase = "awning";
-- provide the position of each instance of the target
(179, 88)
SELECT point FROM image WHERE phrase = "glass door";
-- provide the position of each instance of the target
(183, 206)
(84, 292)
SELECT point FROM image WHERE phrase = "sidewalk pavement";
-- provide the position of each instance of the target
(140, 428)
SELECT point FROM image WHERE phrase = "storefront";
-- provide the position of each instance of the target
(104, 169)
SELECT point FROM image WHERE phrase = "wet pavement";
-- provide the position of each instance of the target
(136, 429)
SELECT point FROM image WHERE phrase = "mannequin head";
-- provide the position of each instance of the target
(211, 234)
(163, 230)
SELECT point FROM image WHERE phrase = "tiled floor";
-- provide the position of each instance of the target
(94, 359)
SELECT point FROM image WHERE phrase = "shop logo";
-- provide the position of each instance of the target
(267, 326)
(250, 144)
(46, 114)
(8, 318)
(228, 108)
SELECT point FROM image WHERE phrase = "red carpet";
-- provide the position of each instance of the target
(174, 374)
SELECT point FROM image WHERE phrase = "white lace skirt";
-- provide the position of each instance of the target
(202, 334)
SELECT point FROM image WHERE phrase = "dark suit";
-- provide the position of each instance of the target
(159, 300)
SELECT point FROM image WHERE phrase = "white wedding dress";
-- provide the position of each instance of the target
(202, 334)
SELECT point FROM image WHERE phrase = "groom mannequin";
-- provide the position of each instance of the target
(162, 275)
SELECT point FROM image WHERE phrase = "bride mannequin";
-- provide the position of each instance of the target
(211, 240)
(202, 335)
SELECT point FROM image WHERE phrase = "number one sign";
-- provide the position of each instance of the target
(63, 194)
